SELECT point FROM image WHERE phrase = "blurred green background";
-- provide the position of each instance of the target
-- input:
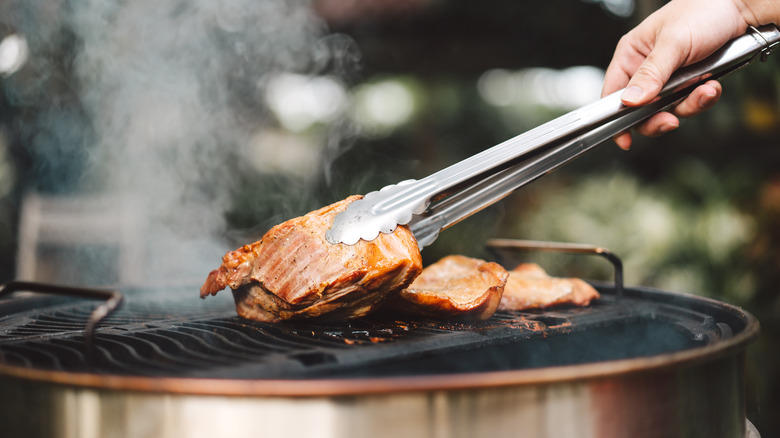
(299, 104)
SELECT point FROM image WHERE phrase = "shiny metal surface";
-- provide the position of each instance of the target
(697, 392)
(701, 400)
(452, 194)
(112, 299)
(499, 245)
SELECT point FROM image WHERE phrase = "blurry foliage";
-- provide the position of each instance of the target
(669, 235)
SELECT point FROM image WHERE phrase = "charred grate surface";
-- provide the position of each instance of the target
(174, 334)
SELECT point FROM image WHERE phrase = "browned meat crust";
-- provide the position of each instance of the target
(529, 286)
(454, 288)
(294, 272)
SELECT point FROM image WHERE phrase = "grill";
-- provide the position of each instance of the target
(170, 334)
(638, 362)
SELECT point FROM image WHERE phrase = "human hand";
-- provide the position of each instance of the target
(680, 33)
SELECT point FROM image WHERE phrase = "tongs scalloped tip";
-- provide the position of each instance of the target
(360, 220)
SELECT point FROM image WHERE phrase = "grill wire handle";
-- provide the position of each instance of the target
(496, 245)
(112, 300)
(444, 198)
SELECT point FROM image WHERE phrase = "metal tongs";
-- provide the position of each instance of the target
(444, 198)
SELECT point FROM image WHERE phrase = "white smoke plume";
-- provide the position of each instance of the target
(172, 92)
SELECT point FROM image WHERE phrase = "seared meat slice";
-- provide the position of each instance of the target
(454, 288)
(294, 272)
(529, 286)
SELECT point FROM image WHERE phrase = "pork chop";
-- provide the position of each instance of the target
(456, 288)
(293, 272)
(529, 286)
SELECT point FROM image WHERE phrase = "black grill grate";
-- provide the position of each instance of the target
(176, 334)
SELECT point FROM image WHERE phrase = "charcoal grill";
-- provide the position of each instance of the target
(638, 362)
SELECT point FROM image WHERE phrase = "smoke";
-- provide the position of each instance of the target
(171, 95)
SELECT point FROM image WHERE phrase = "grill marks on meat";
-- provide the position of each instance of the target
(454, 288)
(529, 286)
(294, 272)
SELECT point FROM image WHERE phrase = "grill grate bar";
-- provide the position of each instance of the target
(153, 352)
(12, 358)
(38, 354)
(190, 347)
(219, 344)
(242, 339)
(151, 336)
(139, 357)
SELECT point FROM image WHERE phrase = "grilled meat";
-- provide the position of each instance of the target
(294, 272)
(529, 286)
(454, 288)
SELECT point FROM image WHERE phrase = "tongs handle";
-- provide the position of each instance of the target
(454, 193)
(493, 188)
(740, 52)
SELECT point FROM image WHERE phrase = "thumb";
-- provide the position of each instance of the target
(652, 74)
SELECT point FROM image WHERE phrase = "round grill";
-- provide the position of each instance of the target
(169, 362)
(172, 333)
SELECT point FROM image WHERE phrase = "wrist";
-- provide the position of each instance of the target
(758, 12)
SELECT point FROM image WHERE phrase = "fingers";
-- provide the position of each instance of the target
(623, 140)
(701, 99)
(656, 125)
(629, 54)
(617, 75)
(652, 74)
(680, 33)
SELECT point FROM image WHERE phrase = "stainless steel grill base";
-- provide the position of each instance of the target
(693, 390)
(633, 405)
